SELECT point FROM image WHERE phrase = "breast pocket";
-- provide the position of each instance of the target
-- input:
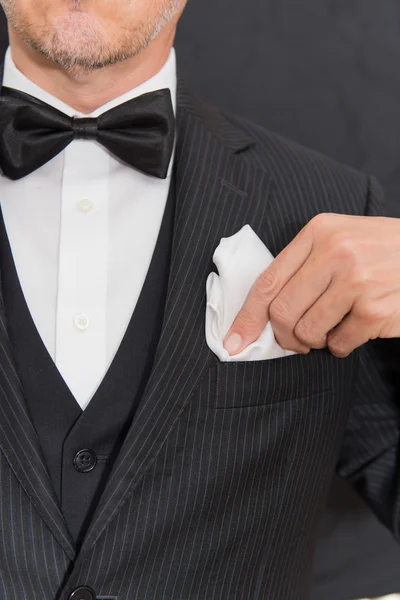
(258, 383)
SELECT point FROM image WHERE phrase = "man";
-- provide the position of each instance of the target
(133, 463)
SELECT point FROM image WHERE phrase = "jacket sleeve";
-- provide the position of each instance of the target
(370, 453)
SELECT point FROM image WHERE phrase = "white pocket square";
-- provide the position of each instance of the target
(240, 259)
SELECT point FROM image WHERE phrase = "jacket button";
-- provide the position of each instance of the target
(85, 461)
(82, 593)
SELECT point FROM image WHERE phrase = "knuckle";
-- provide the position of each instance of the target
(372, 313)
(339, 347)
(266, 283)
(344, 248)
(247, 320)
(279, 311)
(322, 221)
(307, 334)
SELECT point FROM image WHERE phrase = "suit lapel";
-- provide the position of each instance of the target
(20, 445)
(19, 442)
(217, 193)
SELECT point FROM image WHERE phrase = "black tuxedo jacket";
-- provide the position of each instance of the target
(218, 489)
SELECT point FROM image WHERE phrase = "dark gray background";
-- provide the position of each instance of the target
(327, 74)
(323, 72)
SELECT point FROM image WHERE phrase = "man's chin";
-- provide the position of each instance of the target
(77, 32)
(70, 45)
(80, 20)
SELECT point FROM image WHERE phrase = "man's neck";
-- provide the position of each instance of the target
(87, 92)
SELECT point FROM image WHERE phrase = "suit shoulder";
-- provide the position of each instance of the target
(339, 187)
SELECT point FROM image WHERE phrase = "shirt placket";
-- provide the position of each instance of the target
(82, 279)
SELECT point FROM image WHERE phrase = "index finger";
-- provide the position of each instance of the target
(254, 314)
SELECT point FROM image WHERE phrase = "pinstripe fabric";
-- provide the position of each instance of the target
(218, 488)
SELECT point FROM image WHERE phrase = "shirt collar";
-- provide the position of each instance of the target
(165, 78)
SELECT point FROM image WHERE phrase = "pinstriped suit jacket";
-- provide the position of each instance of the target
(219, 486)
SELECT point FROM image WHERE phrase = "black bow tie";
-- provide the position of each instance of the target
(140, 132)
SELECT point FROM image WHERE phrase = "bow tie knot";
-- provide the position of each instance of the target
(140, 132)
(85, 128)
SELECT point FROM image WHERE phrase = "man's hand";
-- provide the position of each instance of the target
(337, 284)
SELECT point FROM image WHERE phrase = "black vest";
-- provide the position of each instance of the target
(80, 447)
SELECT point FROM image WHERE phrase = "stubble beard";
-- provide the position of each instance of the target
(81, 44)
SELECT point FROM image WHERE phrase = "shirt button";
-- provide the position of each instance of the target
(84, 205)
(81, 322)
(85, 461)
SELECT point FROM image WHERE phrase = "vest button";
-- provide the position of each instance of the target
(82, 593)
(85, 461)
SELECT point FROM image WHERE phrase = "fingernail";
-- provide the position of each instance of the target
(233, 343)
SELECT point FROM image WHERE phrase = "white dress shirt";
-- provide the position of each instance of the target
(82, 230)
